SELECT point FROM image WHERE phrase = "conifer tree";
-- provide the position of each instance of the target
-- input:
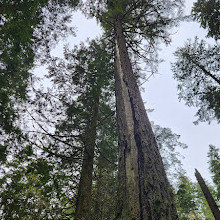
(144, 191)
(197, 65)
(209, 198)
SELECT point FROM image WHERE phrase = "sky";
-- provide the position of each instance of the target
(161, 95)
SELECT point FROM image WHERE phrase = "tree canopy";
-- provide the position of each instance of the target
(197, 72)
(197, 65)
(28, 30)
(207, 13)
(62, 156)
(50, 156)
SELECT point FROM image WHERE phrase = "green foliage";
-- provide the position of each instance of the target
(138, 15)
(86, 72)
(83, 74)
(27, 188)
(3, 154)
(214, 166)
(190, 201)
(207, 12)
(27, 33)
(29, 192)
(197, 71)
(116, 8)
(18, 20)
(185, 197)
(105, 172)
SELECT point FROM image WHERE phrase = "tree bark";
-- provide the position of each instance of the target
(144, 191)
(98, 202)
(83, 204)
(211, 202)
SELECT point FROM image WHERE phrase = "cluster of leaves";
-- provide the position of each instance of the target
(161, 15)
(16, 56)
(31, 190)
(31, 185)
(208, 15)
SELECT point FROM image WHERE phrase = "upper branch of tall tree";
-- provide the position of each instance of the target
(144, 22)
(197, 71)
(207, 12)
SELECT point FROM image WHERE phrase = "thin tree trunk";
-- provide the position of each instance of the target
(98, 202)
(211, 202)
(83, 204)
(203, 69)
(144, 191)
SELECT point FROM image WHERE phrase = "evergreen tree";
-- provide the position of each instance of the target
(144, 191)
(186, 199)
(67, 109)
(197, 72)
(208, 196)
(197, 65)
(92, 64)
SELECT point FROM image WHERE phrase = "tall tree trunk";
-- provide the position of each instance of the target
(144, 191)
(98, 202)
(211, 202)
(83, 204)
(97, 206)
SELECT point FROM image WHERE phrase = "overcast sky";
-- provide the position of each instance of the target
(161, 95)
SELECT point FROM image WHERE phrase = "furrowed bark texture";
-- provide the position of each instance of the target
(211, 202)
(83, 204)
(98, 202)
(144, 191)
